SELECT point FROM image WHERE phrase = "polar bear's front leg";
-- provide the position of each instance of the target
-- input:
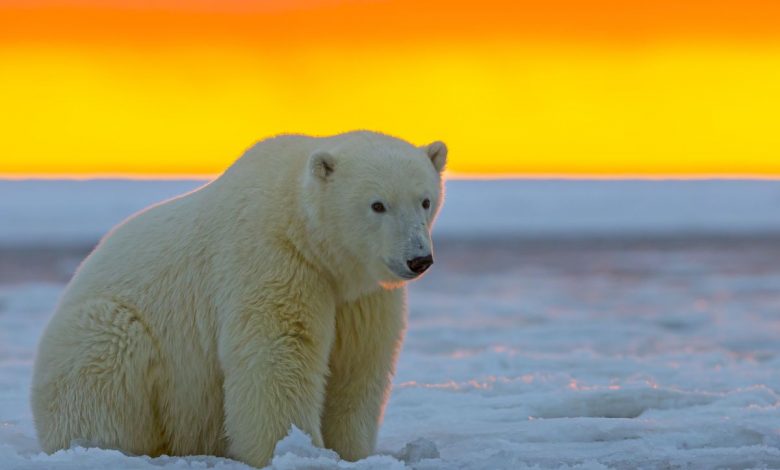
(369, 332)
(274, 357)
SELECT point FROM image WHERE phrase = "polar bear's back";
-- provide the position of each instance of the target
(160, 258)
(127, 260)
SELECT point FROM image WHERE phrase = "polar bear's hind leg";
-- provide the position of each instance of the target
(97, 383)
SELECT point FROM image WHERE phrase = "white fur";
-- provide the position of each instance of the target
(211, 323)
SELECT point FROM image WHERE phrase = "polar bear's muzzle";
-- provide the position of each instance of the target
(414, 267)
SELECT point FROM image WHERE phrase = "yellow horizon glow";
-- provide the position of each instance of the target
(447, 176)
(675, 108)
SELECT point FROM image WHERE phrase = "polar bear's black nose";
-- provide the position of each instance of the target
(420, 264)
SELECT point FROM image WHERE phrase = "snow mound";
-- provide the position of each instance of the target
(418, 450)
(80, 458)
(300, 445)
(620, 403)
(296, 452)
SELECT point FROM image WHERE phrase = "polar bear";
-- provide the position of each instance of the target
(273, 296)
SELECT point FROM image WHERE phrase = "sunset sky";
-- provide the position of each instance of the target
(575, 88)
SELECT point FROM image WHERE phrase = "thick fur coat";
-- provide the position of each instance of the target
(273, 296)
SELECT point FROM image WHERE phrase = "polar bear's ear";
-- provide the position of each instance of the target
(437, 152)
(322, 164)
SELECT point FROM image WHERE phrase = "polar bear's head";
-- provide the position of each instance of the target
(373, 199)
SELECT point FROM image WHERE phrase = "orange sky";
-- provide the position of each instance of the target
(680, 88)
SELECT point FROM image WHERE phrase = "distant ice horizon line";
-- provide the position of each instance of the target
(448, 175)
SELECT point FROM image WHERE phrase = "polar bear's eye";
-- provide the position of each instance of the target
(378, 207)
(426, 203)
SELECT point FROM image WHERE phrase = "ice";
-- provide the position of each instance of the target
(417, 450)
(528, 350)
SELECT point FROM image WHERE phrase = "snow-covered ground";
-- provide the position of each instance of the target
(564, 325)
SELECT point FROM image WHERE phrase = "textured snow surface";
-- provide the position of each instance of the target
(526, 353)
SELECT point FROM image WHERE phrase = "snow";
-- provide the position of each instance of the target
(557, 341)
